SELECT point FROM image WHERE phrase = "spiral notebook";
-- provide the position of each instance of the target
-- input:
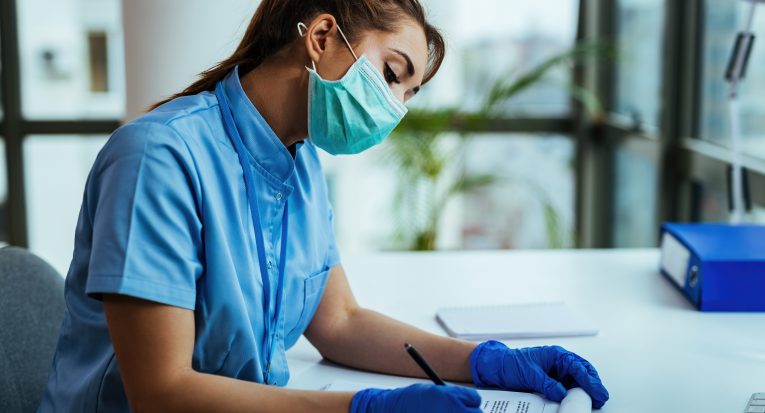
(537, 320)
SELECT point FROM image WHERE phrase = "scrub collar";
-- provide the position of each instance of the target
(264, 148)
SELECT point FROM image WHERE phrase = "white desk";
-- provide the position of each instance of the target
(654, 352)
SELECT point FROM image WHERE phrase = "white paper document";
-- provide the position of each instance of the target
(497, 401)
(515, 321)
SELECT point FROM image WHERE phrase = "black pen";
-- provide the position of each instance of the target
(424, 365)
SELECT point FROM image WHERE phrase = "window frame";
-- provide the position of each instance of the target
(684, 161)
(14, 127)
(706, 162)
(677, 115)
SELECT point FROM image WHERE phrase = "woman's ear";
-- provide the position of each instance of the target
(316, 35)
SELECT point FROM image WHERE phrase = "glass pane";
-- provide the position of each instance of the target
(528, 202)
(758, 214)
(723, 20)
(504, 43)
(712, 205)
(532, 203)
(56, 169)
(636, 187)
(2, 114)
(71, 59)
(640, 32)
(3, 195)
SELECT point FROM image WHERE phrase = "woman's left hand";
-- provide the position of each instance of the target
(549, 370)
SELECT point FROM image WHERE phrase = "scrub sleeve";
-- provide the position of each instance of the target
(147, 235)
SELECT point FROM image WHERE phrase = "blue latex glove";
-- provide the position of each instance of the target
(417, 398)
(548, 370)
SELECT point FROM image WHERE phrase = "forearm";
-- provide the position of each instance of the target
(191, 392)
(371, 341)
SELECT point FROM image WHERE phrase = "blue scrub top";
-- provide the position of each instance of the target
(165, 218)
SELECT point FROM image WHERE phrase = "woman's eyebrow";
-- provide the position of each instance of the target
(409, 65)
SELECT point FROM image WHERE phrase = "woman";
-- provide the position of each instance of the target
(204, 246)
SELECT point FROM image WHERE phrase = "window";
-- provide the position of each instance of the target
(2, 115)
(636, 184)
(492, 39)
(3, 181)
(712, 203)
(723, 19)
(634, 127)
(62, 73)
(531, 204)
(71, 59)
(3, 196)
(57, 167)
(640, 31)
(758, 214)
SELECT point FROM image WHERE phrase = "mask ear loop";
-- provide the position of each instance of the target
(302, 31)
(347, 43)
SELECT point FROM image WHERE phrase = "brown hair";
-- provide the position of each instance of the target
(274, 26)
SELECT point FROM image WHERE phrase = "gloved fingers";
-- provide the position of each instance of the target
(554, 390)
(540, 382)
(590, 368)
(569, 382)
(591, 371)
(574, 371)
(468, 397)
(364, 400)
(567, 361)
(564, 360)
(557, 360)
(590, 383)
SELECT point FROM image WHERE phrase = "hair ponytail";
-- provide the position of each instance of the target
(273, 27)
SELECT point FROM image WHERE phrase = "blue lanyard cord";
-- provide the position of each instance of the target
(271, 323)
(279, 293)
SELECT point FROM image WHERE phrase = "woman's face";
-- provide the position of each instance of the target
(400, 56)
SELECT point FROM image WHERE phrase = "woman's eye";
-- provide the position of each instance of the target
(390, 75)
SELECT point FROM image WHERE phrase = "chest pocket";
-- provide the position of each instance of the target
(300, 313)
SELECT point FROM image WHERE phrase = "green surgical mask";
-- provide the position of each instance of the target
(351, 115)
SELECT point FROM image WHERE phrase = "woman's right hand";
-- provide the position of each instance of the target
(417, 398)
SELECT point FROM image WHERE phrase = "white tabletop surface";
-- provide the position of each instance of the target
(654, 352)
